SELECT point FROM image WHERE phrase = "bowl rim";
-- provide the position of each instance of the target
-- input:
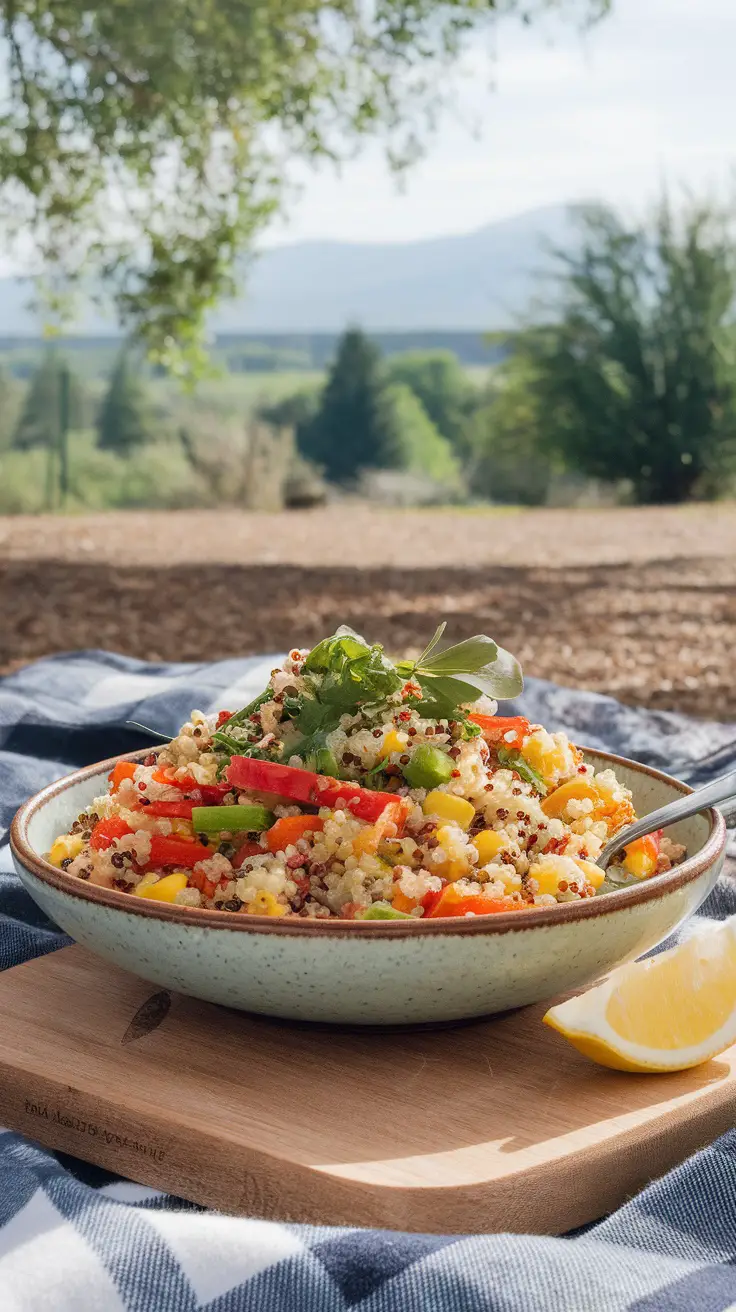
(500, 923)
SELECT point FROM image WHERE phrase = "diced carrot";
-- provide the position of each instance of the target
(123, 770)
(290, 829)
(166, 776)
(400, 902)
(452, 903)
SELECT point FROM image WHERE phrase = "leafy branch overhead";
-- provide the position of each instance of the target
(146, 144)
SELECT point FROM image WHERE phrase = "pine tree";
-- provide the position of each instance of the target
(354, 427)
(39, 420)
(123, 421)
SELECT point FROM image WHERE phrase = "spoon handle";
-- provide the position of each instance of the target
(718, 790)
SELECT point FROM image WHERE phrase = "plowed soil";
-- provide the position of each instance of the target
(640, 603)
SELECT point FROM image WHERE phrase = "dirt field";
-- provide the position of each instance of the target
(640, 603)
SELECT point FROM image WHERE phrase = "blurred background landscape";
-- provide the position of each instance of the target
(504, 395)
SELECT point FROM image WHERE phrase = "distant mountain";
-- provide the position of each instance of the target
(476, 280)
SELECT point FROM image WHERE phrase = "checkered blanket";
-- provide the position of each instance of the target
(73, 1239)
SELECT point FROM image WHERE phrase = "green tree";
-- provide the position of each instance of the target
(507, 461)
(146, 143)
(123, 423)
(439, 381)
(355, 426)
(39, 419)
(636, 377)
(420, 446)
(10, 393)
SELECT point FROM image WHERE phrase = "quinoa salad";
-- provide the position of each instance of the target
(359, 788)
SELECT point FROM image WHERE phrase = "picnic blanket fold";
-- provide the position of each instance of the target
(73, 1237)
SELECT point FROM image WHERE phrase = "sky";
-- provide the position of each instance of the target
(648, 95)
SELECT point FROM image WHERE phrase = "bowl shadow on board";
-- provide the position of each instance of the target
(508, 1079)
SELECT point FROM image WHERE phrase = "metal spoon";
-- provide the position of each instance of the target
(719, 790)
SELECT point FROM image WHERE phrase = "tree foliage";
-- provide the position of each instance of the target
(355, 426)
(442, 385)
(40, 418)
(419, 445)
(507, 462)
(10, 393)
(123, 424)
(636, 377)
(147, 142)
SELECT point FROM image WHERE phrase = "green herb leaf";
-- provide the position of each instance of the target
(382, 911)
(462, 658)
(514, 760)
(483, 665)
(431, 644)
(250, 709)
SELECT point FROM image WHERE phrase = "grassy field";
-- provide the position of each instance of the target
(237, 393)
(640, 603)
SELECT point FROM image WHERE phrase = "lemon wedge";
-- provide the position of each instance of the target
(667, 1013)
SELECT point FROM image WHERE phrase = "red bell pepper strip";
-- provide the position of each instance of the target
(106, 831)
(167, 851)
(180, 810)
(312, 789)
(246, 849)
(123, 770)
(364, 803)
(495, 728)
(211, 794)
(270, 777)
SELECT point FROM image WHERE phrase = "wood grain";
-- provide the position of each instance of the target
(494, 1125)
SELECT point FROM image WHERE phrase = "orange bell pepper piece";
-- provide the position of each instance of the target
(495, 728)
(290, 829)
(123, 770)
(574, 790)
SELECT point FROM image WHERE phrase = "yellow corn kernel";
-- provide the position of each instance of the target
(545, 756)
(488, 844)
(592, 872)
(163, 890)
(180, 826)
(366, 841)
(547, 878)
(65, 848)
(445, 806)
(454, 867)
(393, 742)
(265, 904)
(640, 857)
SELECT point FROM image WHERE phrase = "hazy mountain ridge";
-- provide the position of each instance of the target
(477, 280)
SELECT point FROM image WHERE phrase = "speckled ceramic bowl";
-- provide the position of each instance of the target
(371, 973)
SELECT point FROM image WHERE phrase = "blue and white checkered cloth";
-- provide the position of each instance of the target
(74, 1239)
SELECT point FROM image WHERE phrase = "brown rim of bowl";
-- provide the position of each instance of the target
(500, 923)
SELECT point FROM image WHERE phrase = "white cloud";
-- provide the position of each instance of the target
(647, 95)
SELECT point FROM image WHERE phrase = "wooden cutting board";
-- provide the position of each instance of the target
(492, 1125)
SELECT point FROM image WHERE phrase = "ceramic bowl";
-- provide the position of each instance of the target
(370, 973)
